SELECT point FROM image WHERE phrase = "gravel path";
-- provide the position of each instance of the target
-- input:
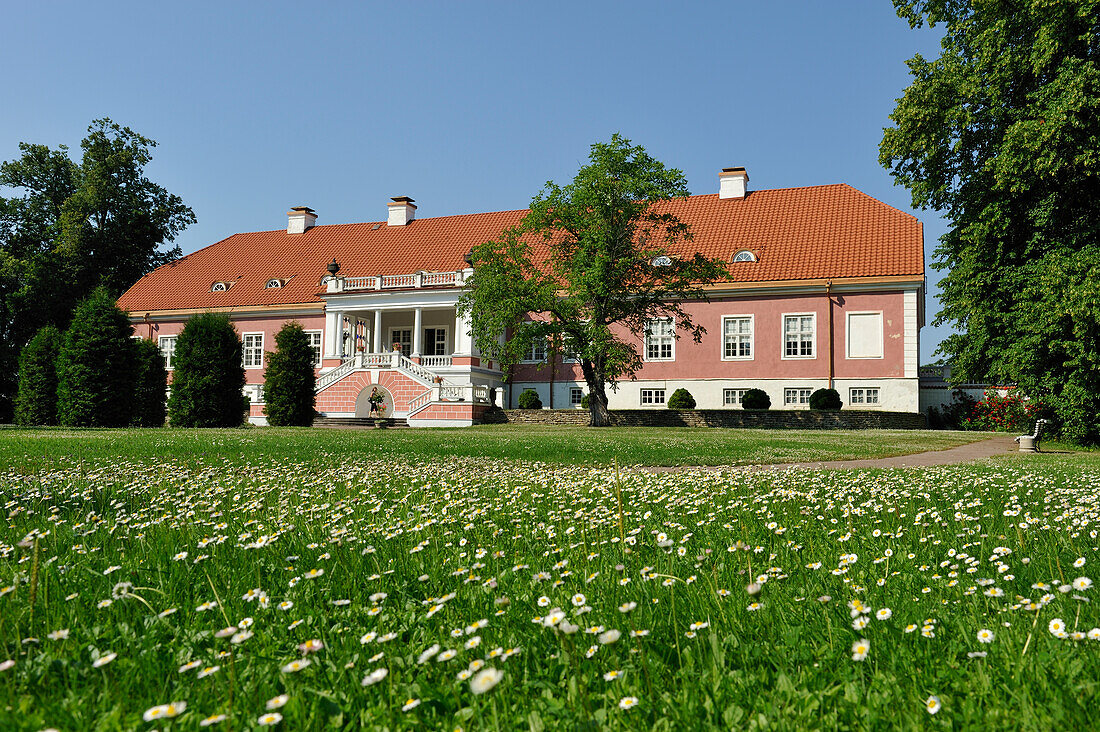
(999, 445)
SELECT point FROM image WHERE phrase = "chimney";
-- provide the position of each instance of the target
(733, 183)
(402, 211)
(300, 219)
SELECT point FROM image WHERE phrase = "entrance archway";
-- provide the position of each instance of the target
(362, 402)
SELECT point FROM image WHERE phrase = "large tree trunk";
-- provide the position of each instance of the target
(597, 397)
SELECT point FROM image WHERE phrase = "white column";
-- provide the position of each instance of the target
(377, 331)
(332, 320)
(464, 343)
(418, 332)
(340, 334)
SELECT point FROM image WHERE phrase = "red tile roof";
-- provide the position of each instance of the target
(829, 231)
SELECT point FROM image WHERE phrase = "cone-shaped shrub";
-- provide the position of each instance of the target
(150, 385)
(96, 366)
(208, 374)
(289, 379)
(36, 401)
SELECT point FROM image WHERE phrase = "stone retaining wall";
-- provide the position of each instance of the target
(846, 419)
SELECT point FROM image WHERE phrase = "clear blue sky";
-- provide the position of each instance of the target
(465, 106)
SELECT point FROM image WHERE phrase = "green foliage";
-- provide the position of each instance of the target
(996, 413)
(150, 385)
(96, 366)
(289, 379)
(825, 399)
(756, 399)
(208, 375)
(36, 402)
(579, 269)
(1001, 133)
(681, 399)
(529, 399)
(952, 416)
(584, 401)
(77, 226)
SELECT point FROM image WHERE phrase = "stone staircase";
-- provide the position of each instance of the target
(359, 423)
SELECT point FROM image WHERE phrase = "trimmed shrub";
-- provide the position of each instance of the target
(289, 379)
(529, 399)
(825, 400)
(150, 385)
(681, 399)
(96, 366)
(756, 399)
(36, 400)
(584, 401)
(208, 379)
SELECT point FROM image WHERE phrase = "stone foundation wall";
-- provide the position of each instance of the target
(736, 418)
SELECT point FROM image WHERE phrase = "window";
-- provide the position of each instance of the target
(273, 284)
(732, 397)
(219, 287)
(737, 337)
(536, 351)
(659, 337)
(863, 395)
(315, 344)
(653, 396)
(253, 350)
(404, 336)
(576, 394)
(744, 256)
(796, 397)
(864, 335)
(255, 393)
(798, 336)
(435, 342)
(662, 261)
(167, 349)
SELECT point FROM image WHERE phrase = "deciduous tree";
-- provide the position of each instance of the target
(581, 270)
(1001, 134)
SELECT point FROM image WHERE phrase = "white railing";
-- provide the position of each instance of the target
(329, 378)
(420, 402)
(464, 393)
(398, 282)
(435, 362)
(415, 370)
(377, 360)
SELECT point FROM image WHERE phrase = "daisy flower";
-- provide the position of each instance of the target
(485, 680)
(105, 659)
(985, 635)
(932, 704)
(295, 666)
(860, 649)
(628, 702)
(270, 719)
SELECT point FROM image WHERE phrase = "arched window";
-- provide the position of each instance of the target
(273, 284)
(662, 261)
(219, 287)
(744, 256)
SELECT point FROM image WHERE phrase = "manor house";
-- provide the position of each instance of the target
(827, 290)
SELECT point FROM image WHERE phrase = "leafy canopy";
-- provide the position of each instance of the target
(578, 271)
(1001, 134)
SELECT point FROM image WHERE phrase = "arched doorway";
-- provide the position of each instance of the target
(362, 402)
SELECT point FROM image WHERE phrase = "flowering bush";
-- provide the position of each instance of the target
(996, 413)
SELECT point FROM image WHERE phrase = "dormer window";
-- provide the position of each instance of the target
(220, 287)
(273, 284)
(662, 261)
(744, 256)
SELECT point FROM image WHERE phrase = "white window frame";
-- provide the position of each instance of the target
(752, 337)
(671, 336)
(168, 354)
(783, 337)
(255, 393)
(429, 348)
(651, 401)
(394, 339)
(848, 335)
(864, 393)
(736, 393)
(576, 394)
(532, 348)
(320, 335)
(798, 396)
(245, 350)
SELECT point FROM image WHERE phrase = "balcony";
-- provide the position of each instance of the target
(412, 281)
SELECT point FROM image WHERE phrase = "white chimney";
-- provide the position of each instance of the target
(300, 219)
(733, 183)
(402, 211)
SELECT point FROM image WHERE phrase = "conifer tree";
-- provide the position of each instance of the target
(208, 374)
(96, 366)
(289, 380)
(150, 385)
(36, 401)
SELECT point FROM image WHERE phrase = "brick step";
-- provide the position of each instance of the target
(359, 423)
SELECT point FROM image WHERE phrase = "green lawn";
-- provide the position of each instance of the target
(554, 445)
(346, 580)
